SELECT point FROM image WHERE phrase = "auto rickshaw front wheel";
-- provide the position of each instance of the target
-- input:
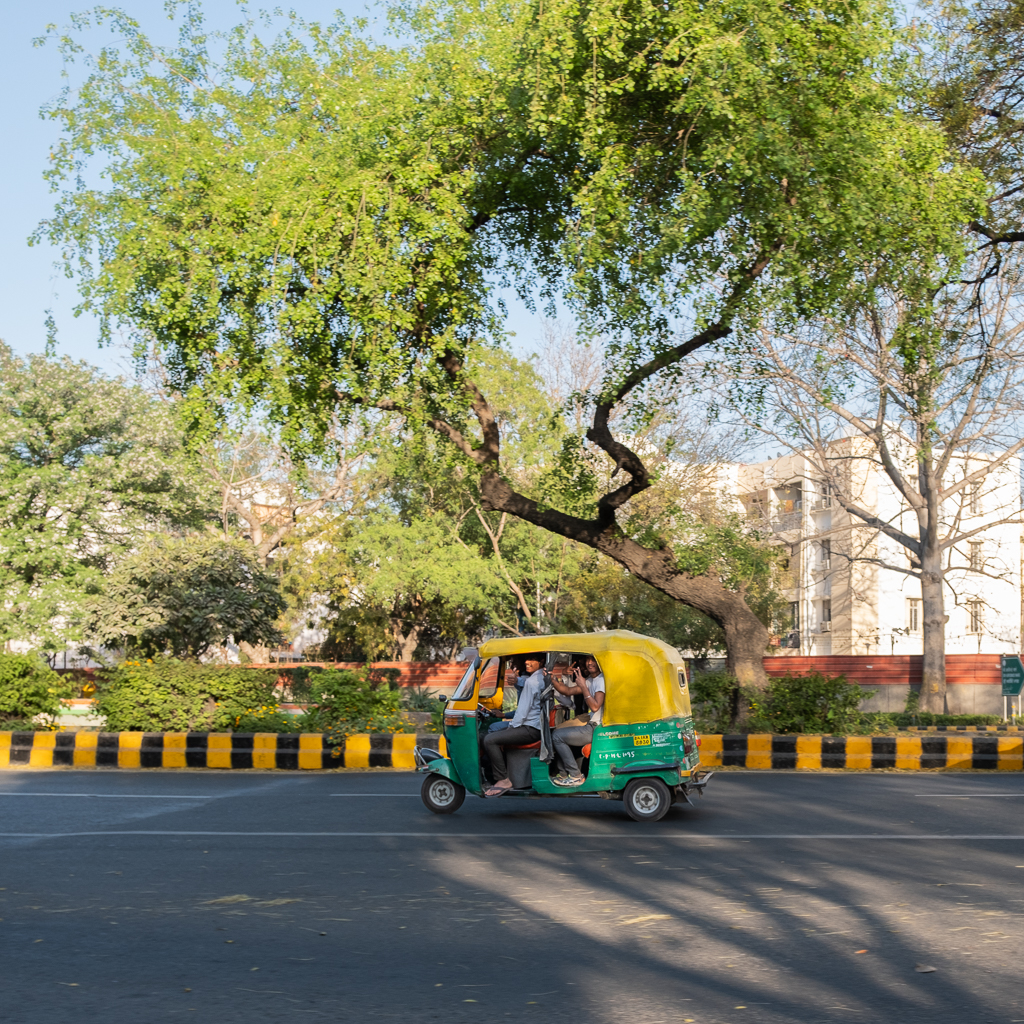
(441, 795)
(647, 799)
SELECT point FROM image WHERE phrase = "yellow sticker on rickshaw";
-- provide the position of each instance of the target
(641, 741)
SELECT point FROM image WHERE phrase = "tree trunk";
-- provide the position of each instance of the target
(745, 645)
(933, 635)
(408, 644)
(746, 637)
(259, 654)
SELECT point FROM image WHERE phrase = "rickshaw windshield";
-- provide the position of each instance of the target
(465, 688)
(489, 678)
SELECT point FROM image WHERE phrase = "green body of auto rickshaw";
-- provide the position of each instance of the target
(644, 753)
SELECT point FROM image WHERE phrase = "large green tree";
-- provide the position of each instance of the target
(88, 465)
(183, 596)
(316, 225)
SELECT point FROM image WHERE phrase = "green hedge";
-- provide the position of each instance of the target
(348, 701)
(812, 703)
(29, 687)
(165, 695)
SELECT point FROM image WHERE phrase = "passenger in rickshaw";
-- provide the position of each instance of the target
(590, 686)
(525, 727)
(515, 676)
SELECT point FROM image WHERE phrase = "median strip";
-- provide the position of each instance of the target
(287, 751)
(912, 753)
(312, 751)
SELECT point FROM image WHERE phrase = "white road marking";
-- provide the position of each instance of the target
(118, 796)
(968, 796)
(514, 835)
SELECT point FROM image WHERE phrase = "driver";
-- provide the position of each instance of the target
(591, 687)
(525, 727)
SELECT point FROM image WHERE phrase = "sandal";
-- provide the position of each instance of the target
(497, 790)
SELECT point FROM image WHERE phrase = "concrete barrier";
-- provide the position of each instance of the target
(312, 751)
(914, 753)
(288, 751)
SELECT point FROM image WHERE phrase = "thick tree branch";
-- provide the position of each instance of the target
(996, 237)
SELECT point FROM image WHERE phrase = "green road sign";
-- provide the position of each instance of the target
(1013, 675)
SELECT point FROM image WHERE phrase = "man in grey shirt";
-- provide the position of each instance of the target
(525, 727)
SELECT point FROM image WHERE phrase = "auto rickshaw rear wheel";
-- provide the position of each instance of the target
(441, 795)
(647, 799)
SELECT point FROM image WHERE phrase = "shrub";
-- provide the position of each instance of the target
(809, 703)
(347, 701)
(175, 696)
(268, 718)
(418, 698)
(712, 696)
(902, 720)
(29, 687)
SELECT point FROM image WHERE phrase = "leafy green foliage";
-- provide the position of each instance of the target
(349, 701)
(812, 703)
(713, 701)
(167, 695)
(87, 464)
(314, 228)
(183, 596)
(322, 221)
(29, 687)
(268, 718)
(418, 698)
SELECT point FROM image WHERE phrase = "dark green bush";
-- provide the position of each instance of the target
(902, 720)
(348, 701)
(812, 703)
(29, 687)
(712, 695)
(165, 695)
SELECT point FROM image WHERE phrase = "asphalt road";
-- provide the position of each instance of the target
(198, 896)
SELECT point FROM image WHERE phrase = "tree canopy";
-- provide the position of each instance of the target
(87, 464)
(184, 595)
(316, 223)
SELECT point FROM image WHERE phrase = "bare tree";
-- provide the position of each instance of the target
(265, 496)
(933, 395)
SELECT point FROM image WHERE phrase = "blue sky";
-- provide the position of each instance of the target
(30, 77)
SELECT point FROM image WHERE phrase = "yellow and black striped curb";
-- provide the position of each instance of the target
(209, 750)
(312, 751)
(931, 750)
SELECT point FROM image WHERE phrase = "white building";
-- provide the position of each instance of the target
(844, 597)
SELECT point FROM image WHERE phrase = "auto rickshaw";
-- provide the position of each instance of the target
(645, 753)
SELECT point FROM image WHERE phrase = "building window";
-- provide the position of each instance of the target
(974, 618)
(914, 615)
(977, 562)
(974, 497)
(826, 555)
(826, 616)
(794, 614)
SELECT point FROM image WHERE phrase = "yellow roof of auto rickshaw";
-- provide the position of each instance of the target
(641, 673)
(584, 643)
